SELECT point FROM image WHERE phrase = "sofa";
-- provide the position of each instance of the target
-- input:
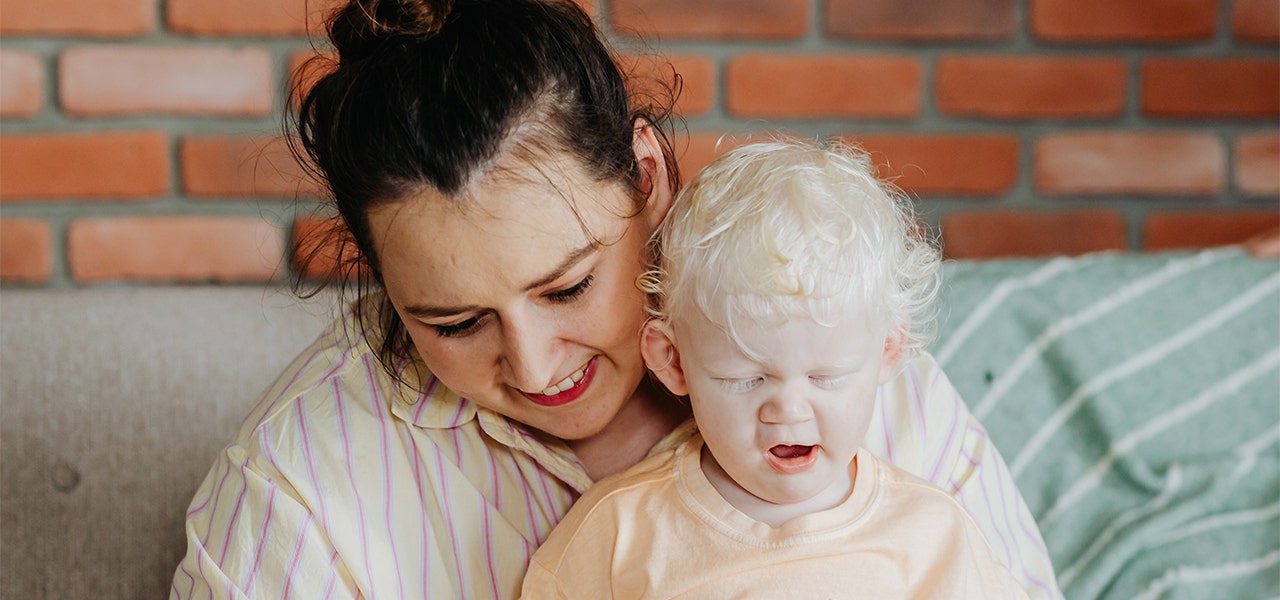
(1136, 397)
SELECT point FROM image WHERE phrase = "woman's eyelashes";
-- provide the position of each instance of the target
(473, 324)
(573, 291)
(460, 329)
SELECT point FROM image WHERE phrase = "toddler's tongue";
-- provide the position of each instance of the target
(789, 451)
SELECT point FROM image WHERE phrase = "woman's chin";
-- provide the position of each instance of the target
(578, 420)
(596, 411)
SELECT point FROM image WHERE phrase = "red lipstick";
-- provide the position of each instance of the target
(568, 395)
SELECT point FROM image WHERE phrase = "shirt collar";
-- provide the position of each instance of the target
(434, 406)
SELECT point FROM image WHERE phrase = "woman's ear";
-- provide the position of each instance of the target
(658, 347)
(653, 172)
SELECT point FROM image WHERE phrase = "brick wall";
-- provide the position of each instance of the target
(140, 137)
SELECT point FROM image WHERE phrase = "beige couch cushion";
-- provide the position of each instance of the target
(113, 404)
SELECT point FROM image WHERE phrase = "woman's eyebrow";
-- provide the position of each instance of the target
(436, 312)
(569, 262)
(423, 311)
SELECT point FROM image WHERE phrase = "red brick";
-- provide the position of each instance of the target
(1201, 229)
(305, 69)
(26, 251)
(711, 19)
(1256, 21)
(238, 166)
(698, 84)
(592, 7)
(179, 248)
(1257, 164)
(1211, 87)
(826, 85)
(694, 151)
(120, 80)
(264, 17)
(21, 84)
(921, 20)
(1012, 87)
(322, 248)
(247, 17)
(651, 74)
(100, 18)
(919, 164)
(119, 165)
(975, 165)
(1124, 20)
(993, 234)
(1106, 162)
(652, 77)
(269, 17)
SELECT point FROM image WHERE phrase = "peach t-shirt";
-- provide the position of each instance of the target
(660, 530)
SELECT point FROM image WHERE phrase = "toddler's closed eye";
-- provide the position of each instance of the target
(740, 386)
(830, 382)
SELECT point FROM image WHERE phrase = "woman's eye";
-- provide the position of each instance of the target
(741, 386)
(568, 294)
(460, 329)
(829, 382)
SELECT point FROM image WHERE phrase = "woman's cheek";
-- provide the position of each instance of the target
(451, 361)
(617, 308)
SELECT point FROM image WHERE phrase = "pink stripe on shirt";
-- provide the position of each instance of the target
(945, 451)
(380, 409)
(425, 541)
(344, 433)
(264, 534)
(308, 454)
(235, 514)
(443, 497)
(296, 555)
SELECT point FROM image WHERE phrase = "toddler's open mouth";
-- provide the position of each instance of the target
(792, 458)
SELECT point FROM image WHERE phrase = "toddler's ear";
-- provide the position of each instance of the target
(658, 347)
(895, 355)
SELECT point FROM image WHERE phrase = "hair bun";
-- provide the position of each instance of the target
(362, 26)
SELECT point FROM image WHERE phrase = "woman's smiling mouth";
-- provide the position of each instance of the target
(566, 390)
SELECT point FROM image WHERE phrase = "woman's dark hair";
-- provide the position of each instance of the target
(424, 94)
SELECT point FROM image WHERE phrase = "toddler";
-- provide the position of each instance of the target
(788, 286)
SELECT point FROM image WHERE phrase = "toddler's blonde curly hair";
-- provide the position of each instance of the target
(787, 228)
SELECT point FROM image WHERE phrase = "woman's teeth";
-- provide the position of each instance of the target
(566, 383)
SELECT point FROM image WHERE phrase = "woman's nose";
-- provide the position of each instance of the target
(786, 406)
(529, 354)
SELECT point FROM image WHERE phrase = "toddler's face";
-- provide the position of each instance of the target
(784, 427)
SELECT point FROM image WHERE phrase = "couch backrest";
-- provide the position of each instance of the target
(113, 404)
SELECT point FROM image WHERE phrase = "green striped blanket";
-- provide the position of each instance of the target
(1136, 399)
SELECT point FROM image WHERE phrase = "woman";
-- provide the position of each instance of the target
(500, 188)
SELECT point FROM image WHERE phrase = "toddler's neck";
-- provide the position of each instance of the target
(772, 514)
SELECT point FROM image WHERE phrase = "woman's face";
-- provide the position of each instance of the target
(521, 295)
